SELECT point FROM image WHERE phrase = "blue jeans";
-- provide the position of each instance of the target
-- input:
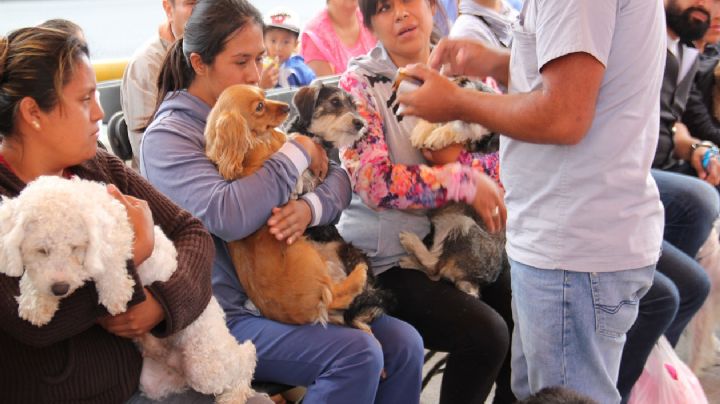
(681, 284)
(570, 328)
(338, 364)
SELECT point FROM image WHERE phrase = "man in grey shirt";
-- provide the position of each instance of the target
(585, 222)
(138, 92)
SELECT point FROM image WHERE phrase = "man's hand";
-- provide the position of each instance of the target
(467, 57)
(711, 174)
(434, 100)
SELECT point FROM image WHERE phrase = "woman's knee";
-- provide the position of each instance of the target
(401, 344)
(361, 352)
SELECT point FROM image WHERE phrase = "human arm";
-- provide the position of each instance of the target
(319, 207)
(683, 142)
(559, 113)
(470, 57)
(381, 183)
(230, 210)
(185, 295)
(138, 97)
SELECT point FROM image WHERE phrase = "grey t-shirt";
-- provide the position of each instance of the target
(591, 207)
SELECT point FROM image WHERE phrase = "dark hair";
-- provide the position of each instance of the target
(35, 62)
(368, 9)
(209, 27)
(62, 25)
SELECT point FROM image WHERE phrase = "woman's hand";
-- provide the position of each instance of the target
(269, 76)
(318, 158)
(137, 320)
(435, 100)
(446, 155)
(290, 221)
(489, 203)
(141, 219)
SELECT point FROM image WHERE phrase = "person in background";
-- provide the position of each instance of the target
(488, 21)
(282, 30)
(334, 36)
(138, 90)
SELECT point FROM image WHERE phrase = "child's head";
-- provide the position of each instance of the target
(281, 34)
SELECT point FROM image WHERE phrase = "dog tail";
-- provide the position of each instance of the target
(345, 291)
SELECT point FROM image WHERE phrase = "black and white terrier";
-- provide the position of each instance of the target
(458, 248)
(329, 116)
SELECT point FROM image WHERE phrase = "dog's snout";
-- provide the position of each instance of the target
(60, 288)
(284, 108)
(358, 123)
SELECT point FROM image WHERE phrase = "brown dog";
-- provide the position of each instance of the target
(287, 283)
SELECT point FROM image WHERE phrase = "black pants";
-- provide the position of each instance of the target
(475, 333)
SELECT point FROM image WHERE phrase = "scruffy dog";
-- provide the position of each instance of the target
(58, 234)
(557, 395)
(458, 248)
(329, 116)
(287, 283)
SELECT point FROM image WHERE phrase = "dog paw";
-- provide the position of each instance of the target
(409, 241)
(468, 288)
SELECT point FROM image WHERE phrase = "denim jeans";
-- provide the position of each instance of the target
(570, 327)
(681, 284)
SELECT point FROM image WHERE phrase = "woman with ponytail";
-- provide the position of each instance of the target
(223, 45)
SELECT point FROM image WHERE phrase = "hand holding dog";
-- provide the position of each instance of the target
(137, 320)
(424, 102)
(290, 221)
(489, 203)
(467, 57)
(141, 219)
(318, 158)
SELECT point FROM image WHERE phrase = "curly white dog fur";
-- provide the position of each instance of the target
(58, 234)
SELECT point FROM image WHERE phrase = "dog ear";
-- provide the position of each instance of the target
(304, 101)
(231, 141)
(12, 232)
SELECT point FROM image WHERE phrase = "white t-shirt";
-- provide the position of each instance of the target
(591, 207)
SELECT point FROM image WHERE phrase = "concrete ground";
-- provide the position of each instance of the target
(709, 379)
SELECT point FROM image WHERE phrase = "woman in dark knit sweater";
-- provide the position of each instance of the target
(49, 126)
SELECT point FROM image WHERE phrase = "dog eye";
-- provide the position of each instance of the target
(77, 248)
(336, 103)
(260, 107)
(42, 251)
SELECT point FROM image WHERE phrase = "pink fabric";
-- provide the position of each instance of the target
(320, 42)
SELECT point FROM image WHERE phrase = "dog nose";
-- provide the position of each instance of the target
(284, 108)
(358, 123)
(60, 288)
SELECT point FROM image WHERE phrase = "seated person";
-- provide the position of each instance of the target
(337, 364)
(49, 126)
(281, 40)
(138, 91)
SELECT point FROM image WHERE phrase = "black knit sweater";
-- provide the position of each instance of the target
(72, 359)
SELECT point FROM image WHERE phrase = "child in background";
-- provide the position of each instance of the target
(281, 39)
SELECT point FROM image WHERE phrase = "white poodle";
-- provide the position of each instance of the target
(58, 234)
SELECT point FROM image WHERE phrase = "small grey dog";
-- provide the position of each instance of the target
(458, 248)
(329, 116)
